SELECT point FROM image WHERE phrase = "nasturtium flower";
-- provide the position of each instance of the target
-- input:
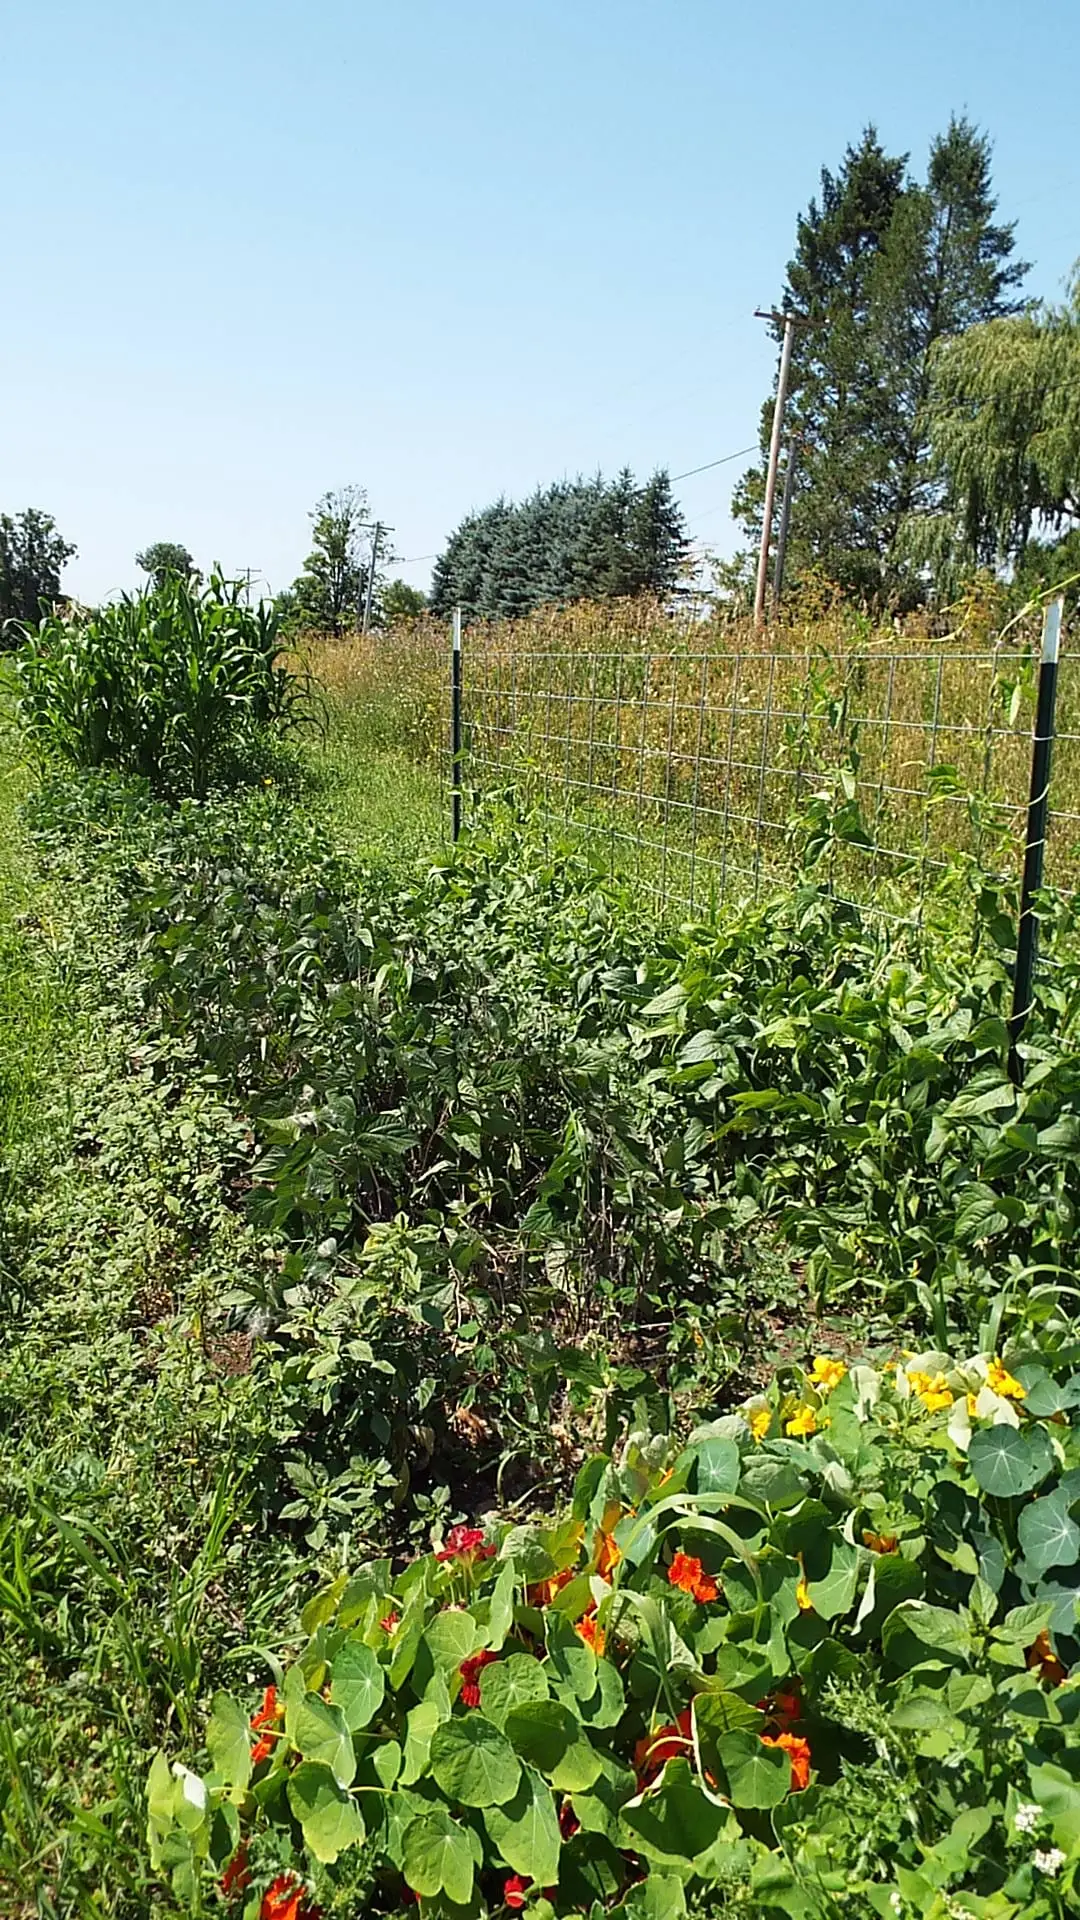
(826, 1373)
(933, 1389)
(880, 1542)
(588, 1628)
(973, 1406)
(759, 1421)
(1002, 1382)
(515, 1891)
(798, 1752)
(286, 1899)
(265, 1717)
(652, 1753)
(237, 1875)
(465, 1543)
(687, 1572)
(470, 1676)
(606, 1552)
(542, 1592)
(802, 1421)
(1042, 1659)
(802, 1595)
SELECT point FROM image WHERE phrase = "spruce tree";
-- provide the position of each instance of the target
(883, 269)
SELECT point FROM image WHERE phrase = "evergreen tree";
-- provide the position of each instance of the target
(580, 539)
(883, 268)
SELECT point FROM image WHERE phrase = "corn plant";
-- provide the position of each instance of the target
(171, 684)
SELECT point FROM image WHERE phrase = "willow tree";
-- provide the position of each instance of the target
(1004, 423)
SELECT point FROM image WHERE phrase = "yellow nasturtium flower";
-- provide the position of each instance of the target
(1002, 1382)
(802, 1595)
(759, 1422)
(933, 1389)
(803, 1420)
(826, 1373)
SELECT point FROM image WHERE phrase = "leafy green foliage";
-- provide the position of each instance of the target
(33, 555)
(163, 557)
(749, 1712)
(176, 684)
(330, 593)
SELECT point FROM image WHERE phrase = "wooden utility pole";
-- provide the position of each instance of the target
(785, 519)
(375, 539)
(789, 321)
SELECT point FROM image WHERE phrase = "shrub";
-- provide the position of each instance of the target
(813, 1662)
(174, 684)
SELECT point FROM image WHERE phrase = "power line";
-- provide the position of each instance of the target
(710, 464)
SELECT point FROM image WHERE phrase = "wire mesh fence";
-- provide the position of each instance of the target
(704, 763)
(708, 775)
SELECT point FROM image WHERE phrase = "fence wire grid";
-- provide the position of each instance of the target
(708, 776)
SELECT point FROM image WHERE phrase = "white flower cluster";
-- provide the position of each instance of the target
(1027, 1817)
(1051, 1861)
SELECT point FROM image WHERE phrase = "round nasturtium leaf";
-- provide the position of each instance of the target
(229, 1740)
(550, 1738)
(437, 1857)
(511, 1683)
(473, 1763)
(1007, 1462)
(1048, 1536)
(320, 1733)
(330, 1819)
(356, 1684)
(526, 1830)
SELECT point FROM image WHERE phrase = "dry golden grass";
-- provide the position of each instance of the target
(691, 744)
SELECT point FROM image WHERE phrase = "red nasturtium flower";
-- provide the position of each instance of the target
(389, 1621)
(515, 1890)
(798, 1752)
(265, 1717)
(687, 1572)
(470, 1676)
(569, 1823)
(285, 1899)
(465, 1543)
(237, 1876)
(653, 1752)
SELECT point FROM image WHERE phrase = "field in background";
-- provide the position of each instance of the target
(683, 751)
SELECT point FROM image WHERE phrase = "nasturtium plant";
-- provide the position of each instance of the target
(726, 1665)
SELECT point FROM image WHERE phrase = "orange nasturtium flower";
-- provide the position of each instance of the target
(802, 1421)
(798, 1752)
(826, 1373)
(1041, 1656)
(542, 1592)
(590, 1630)
(285, 1899)
(607, 1553)
(687, 1572)
(653, 1752)
(880, 1542)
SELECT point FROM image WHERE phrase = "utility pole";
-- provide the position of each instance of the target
(377, 535)
(785, 518)
(790, 321)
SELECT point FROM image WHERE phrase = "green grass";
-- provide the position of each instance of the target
(376, 799)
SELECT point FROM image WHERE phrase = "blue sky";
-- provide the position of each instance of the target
(443, 250)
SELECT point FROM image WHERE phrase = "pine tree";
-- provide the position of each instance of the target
(883, 269)
(658, 539)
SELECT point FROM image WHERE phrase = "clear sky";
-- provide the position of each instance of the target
(442, 248)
